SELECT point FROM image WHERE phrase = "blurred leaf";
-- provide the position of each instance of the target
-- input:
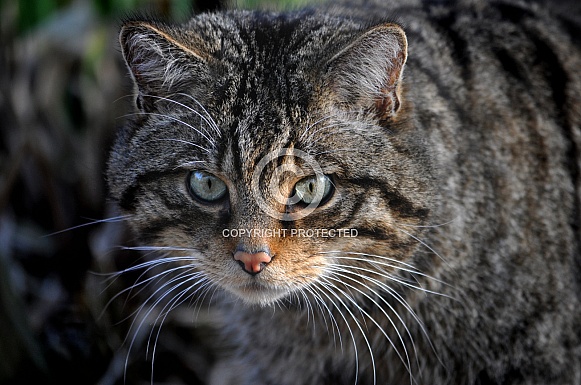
(108, 7)
(181, 9)
(33, 12)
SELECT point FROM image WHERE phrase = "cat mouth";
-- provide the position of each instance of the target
(258, 293)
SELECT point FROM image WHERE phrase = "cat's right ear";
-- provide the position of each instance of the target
(367, 74)
(160, 61)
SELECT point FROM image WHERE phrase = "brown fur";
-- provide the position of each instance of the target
(453, 149)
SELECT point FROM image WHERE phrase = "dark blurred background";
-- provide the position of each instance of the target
(63, 93)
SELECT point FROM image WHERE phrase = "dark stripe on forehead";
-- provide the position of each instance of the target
(236, 155)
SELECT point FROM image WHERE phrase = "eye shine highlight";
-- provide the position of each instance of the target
(206, 187)
(315, 189)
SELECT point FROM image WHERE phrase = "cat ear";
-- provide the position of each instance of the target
(160, 63)
(366, 75)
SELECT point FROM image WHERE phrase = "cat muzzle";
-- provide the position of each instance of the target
(252, 263)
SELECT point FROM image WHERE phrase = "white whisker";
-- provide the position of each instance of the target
(120, 218)
(158, 278)
(181, 279)
(176, 301)
(320, 286)
(148, 266)
(337, 150)
(323, 305)
(181, 141)
(314, 124)
(426, 226)
(407, 266)
(159, 248)
(190, 109)
(336, 128)
(189, 164)
(207, 118)
(424, 244)
(338, 270)
(211, 141)
(331, 288)
(393, 277)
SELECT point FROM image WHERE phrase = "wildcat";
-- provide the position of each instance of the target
(443, 135)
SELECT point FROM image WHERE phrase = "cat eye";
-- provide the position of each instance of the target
(206, 187)
(314, 189)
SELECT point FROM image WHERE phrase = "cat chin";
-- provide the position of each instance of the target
(258, 295)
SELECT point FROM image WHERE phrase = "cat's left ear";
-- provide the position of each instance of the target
(366, 75)
(162, 61)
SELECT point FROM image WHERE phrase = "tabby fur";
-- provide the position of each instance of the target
(452, 134)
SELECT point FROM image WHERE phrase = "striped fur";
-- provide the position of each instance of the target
(454, 146)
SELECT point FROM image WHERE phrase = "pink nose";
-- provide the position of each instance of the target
(253, 263)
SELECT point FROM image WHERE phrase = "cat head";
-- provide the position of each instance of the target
(273, 153)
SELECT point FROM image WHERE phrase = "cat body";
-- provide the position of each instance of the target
(447, 143)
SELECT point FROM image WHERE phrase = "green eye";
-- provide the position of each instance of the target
(206, 187)
(313, 189)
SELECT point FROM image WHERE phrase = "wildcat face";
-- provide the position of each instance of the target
(457, 168)
(234, 132)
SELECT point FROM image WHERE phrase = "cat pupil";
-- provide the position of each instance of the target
(308, 188)
(206, 187)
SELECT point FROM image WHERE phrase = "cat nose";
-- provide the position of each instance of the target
(252, 263)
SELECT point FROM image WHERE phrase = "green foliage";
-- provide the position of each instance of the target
(174, 8)
(31, 13)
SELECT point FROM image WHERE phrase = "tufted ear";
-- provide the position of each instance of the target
(366, 75)
(162, 62)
